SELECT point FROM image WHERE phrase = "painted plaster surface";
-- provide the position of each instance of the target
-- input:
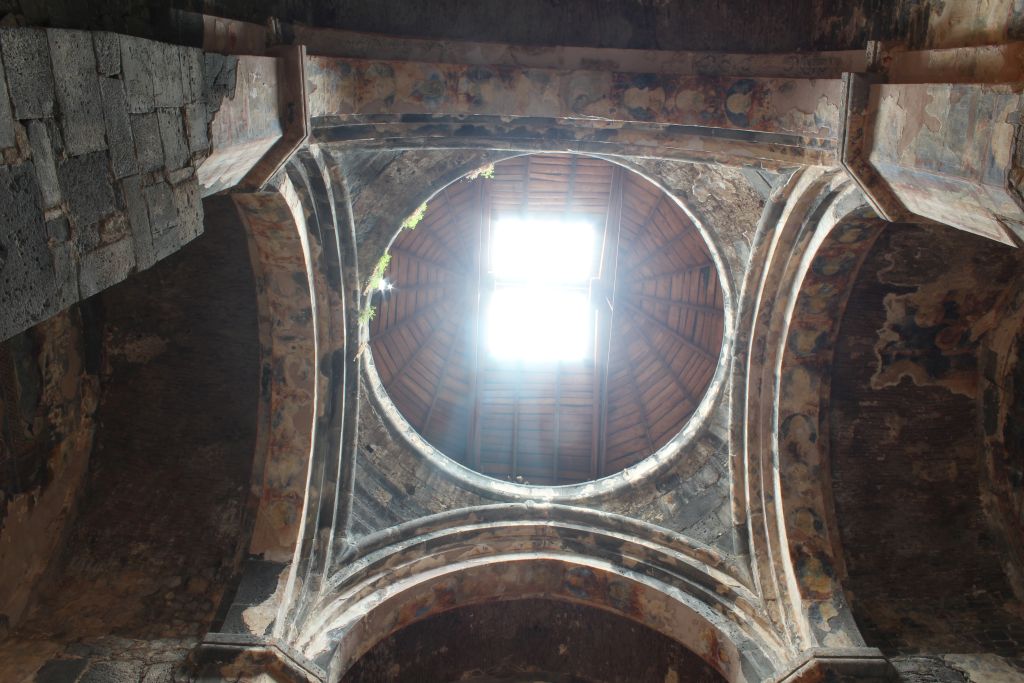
(947, 151)
(46, 409)
(363, 90)
(246, 125)
(289, 372)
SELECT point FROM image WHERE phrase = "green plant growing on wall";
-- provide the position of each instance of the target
(412, 221)
(486, 171)
(373, 283)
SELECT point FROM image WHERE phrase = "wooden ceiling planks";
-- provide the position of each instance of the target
(536, 422)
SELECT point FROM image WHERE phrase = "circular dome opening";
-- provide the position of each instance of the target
(550, 322)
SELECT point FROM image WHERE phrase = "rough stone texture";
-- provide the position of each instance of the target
(138, 59)
(166, 71)
(44, 164)
(119, 129)
(138, 218)
(29, 76)
(148, 145)
(7, 138)
(87, 184)
(957, 669)
(26, 265)
(162, 516)
(66, 114)
(108, 53)
(172, 136)
(74, 70)
(530, 640)
(105, 266)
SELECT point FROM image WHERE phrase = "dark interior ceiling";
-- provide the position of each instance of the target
(656, 346)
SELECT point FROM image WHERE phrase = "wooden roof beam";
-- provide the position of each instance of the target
(702, 308)
(604, 317)
(675, 334)
(401, 251)
(672, 273)
(666, 366)
(473, 432)
(440, 382)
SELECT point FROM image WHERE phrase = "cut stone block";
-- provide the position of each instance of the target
(137, 57)
(105, 266)
(7, 138)
(29, 76)
(119, 128)
(74, 72)
(108, 53)
(148, 149)
(86, 183)
(166, 70)
(42, 160)
(162, 213)
(26, 265)
(172, 134)
(138, 219)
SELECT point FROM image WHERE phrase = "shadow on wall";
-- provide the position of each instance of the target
(529, 640)
(912, 483)
(162, 514)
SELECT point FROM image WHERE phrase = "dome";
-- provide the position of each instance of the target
(569, 383)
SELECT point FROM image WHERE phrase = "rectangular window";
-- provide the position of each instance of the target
(539, 310)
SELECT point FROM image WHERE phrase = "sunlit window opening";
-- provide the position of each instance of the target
(539, 310)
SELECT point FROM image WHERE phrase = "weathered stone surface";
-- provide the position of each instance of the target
(6, 116)
(86, 183)
(26, 266)
(113, 672)
(137, 63)
(58, 229)
(119, 128)
(108, 53)
(105, 266)
(29, 77)
(148, 147)
(189, 209)
(42, 160)
(60, 671)
(195, 121)
(138, 219)
(162, 213)
(172, 134)
(74, 70)
(166, 70)
(191, 74)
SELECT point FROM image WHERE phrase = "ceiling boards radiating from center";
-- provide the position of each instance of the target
(656, 303)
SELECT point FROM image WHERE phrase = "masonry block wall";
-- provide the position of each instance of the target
(100, 136)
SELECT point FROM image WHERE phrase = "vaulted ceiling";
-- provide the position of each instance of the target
(658, 327)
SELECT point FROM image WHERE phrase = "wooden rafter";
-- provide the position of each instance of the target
(673, 273)
(665, 365)
(402, 251)
(419, 348)
(476, 367)
(440, 382)
(413, 317)
(604, 321)
(701, 308)
(643, 409)
(675, 334)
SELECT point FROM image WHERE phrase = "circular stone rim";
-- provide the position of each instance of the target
(646, 468)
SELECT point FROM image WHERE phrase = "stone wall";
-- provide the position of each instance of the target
(100, 136)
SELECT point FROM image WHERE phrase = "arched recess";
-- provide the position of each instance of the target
(681, 589)
(297, 249)
(813, 238)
